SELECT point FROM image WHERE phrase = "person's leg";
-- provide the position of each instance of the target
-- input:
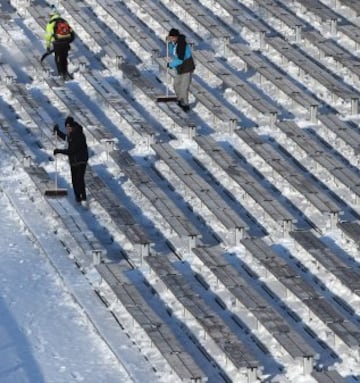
(81, 181)
(186, 83)
(57, 58)
(177, 87)
(65, 58)
(75, 182)
(183, 86)
(61, 51)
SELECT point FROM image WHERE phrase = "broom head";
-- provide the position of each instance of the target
(166, 99)
(56, 193)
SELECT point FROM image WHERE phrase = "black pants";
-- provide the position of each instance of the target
(78, 181)
(61, 50)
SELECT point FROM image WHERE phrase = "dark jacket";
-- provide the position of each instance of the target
(77, 149)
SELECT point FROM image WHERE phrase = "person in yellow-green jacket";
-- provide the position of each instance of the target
(59, 35)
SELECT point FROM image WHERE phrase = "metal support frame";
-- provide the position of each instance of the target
(313, 113)
(354, 106)
(298, 33)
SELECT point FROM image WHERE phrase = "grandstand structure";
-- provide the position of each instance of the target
(237, 225)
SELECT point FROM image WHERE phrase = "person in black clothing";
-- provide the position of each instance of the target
(77, 152)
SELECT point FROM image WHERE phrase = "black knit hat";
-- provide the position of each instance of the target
(174, 32)
(69, 121)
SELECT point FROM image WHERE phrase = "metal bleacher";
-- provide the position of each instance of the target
(290, 277)
(250, 185)
(285, 166)
(206, 193)
(217, 332)
(315, 150)
(253, 301)
(158, 332)
(189, 278)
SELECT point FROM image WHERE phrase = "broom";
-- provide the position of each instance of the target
(56, 192)
(166, 98)
(46, 54)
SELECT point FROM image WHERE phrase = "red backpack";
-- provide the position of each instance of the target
(62, 29)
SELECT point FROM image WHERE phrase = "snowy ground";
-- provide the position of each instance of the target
(45, 335)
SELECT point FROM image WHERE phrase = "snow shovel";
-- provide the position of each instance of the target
(56, 192)
(166, 98)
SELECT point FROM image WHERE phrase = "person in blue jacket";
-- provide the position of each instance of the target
(180, 58)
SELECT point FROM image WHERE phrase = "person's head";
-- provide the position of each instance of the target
(69, 124)
(173, 35)
(53, 11)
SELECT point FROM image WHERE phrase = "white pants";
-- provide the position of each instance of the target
(181, 87)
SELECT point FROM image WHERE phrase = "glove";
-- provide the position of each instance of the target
(167, 65)
(56, 128)
(48, 49)
(56, 151)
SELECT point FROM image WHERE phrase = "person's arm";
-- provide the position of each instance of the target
(174, 60)
(49, 35)
(59, 133)
(179, 52)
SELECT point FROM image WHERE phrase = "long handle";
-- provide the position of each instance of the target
(56, 170)
(56, 174)
(167, 68)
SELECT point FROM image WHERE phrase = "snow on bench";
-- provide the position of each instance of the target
(331, 48)
(351, 31)
(321, 155)
(317, 71)
(215, 106)
(169, 211)
(352, 4)
(286, 168)
(230, 352)
(322, 12)
(352, 230)
(347, 273)
(251, 186)
(18, 147)
(158, 332)
(329, 376)
(119, 213)
(206, 193)
(291, 278)
(131, 25)
(279, 11)
(347, 131)
(7, 75)
(243, 17)
(291, 341)
(208, 21)
(121, 105)
(243, 89)
(278, 77)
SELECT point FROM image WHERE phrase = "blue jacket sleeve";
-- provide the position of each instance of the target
(175, 61)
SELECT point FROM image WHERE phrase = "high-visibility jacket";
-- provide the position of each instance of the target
(49, 31)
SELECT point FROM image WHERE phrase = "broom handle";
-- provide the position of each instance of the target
(56, 173)
(167, 68)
